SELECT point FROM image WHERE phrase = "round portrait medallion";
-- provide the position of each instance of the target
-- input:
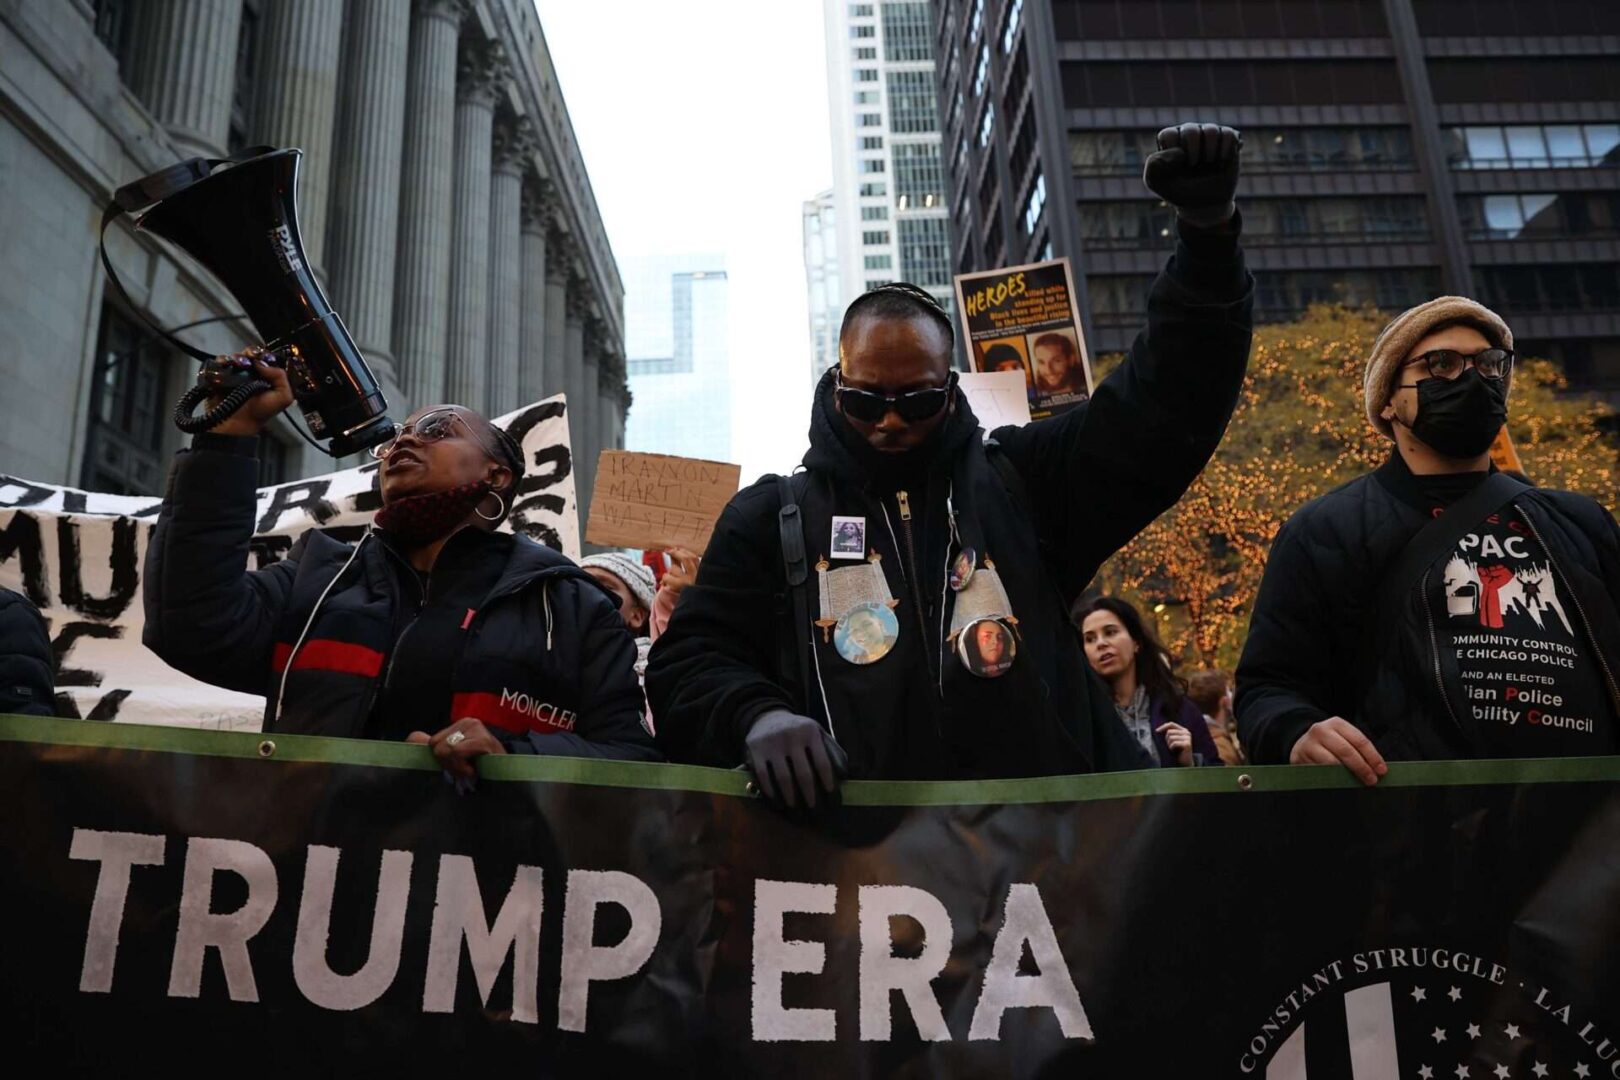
(987, 648)
(866, 633)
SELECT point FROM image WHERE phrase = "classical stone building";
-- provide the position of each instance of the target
(443, 202)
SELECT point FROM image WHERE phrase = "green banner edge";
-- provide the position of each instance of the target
(692, 778)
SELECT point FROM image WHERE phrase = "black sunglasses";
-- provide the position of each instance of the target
(1449, 363)
(869, 407)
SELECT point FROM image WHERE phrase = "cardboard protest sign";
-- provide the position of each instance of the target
(655, 502)
(999, 398)
(1024, 319)
(79, 556)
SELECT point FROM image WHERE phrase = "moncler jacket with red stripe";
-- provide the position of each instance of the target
(546, 662)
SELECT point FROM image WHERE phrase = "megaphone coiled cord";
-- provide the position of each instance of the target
(232, 401)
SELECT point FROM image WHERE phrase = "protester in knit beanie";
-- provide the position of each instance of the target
(636, 578)
(1397, 340)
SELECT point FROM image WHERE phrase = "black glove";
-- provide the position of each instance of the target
(1196, 171)
(791, 757)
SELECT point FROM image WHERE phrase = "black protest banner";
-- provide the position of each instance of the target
(294, 904)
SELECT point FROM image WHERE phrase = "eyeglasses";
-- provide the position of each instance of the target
(436, 425)
(869, 407)
(1449, 363)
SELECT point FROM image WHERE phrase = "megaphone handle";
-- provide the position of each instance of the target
(232, 401)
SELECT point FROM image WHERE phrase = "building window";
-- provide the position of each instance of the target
(1195, 83)
(874, 190)
(874, 165)
(981, 70)
(912, 108)
(115, 20)
(1510, 217)
(976, 20)
(866, 97)
(907, 33)
(1035, 204)
(272, 461)
(124, 448)
(1566, 287)
(871, 142)
(866, 75)
(1370, 219)
(879, 262)
(869, 120)
(1463, 80)
(918, 181)
(1437, 18)
(1533, 146)
(1017, 80)
(874, 213)
(866, 52)
(925, 251)
(873, 238)
(862, 31)
(1022, 149)
(987, 126)
(1009, 32)
(242, 95)
(1265, 150)
(860, 11)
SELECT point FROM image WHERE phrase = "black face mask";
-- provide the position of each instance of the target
(1460, 417)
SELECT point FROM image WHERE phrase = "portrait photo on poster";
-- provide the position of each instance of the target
(848, 537)
(1006, 354)
(1060, 377)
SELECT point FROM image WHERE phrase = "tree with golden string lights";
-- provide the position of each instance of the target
(1298, 432)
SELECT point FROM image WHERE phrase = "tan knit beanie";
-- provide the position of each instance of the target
(1405, 331)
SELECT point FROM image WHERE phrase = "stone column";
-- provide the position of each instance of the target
(506, 266)
(185, 70)
(532, 385)
(295, 101)
(558, 259)
(364, 229)
(467, 349)
(422, 276)
(579, 433)
(607, 396)
(591, 405)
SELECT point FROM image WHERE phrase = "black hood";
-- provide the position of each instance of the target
(837, 448)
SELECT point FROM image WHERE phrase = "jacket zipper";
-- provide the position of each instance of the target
(421, 605)
(903, 500)
(1586, 624)
(1434, 651)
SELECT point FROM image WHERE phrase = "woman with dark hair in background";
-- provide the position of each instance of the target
(1151, 701)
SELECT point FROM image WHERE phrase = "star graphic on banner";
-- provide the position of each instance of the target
(1513, 1031)
(1439, 1035)
(1583, 1069)
(1501, 1072)
(1473, 1031)
(1539, 1069)
(1463, 1073)
(1418, 993)
(1455, 994)
(1426, 1073)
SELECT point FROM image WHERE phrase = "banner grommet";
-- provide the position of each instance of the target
(267, 749)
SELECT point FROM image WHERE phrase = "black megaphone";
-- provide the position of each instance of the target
(241, 224)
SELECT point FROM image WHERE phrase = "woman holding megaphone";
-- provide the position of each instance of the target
(433, 628)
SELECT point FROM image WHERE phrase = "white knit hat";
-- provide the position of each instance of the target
(1403, 333)
(638, 578)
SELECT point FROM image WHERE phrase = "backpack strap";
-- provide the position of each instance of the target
(1437, 537)
(797, 571)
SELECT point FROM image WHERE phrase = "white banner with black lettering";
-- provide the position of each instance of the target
(78, 556)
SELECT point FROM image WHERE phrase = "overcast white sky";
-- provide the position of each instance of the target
(704, 128)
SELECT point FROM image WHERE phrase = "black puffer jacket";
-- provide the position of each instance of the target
(1083, 485)
(26, 684)
(1304, 655)
(546, 663)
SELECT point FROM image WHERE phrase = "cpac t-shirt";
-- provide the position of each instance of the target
(1528, 682)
